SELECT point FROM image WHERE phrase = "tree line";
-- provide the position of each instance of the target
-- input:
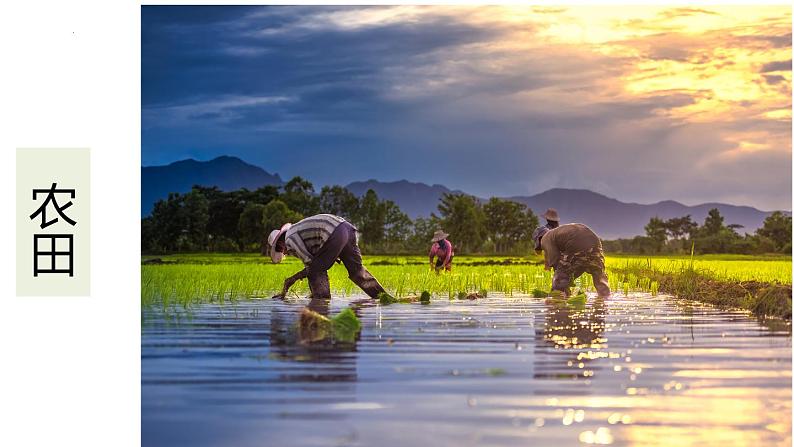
(208, 219)
(682, 235)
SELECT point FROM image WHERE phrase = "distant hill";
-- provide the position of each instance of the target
(227, 173)
(415, 199)
(609, 217)
(612, 219)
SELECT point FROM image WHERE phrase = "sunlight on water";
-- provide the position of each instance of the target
(636, 370)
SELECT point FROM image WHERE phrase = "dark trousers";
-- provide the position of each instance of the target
(341, 245)
(573, 266)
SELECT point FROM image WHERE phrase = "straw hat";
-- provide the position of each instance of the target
(439, 235)
(551, 214)
(276, 256)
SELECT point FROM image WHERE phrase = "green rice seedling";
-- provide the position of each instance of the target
(386, 299)
(346, 325)
(182, 281)
(579, 298)
(425, 297)
(537, 293)
(313, 327)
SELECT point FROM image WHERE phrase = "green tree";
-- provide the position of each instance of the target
(509, 224)
(463, 218)
(299, 196)
(224, 215)
(714, 223)
(681, 229)
(371, 219)
(656, 231)
(251, 224)
(195, 210)
(422, 232)
(340, 201)
(397, 226)
(777, 227)
(168, 222)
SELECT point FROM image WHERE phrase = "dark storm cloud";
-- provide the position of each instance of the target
(777, 66)
(253, 56)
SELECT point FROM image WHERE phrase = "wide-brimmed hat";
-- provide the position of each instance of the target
(276, 256)
(551, 214)
(439, 235)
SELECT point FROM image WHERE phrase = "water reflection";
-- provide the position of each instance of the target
(636, 370)
(573, 332)
(296, 338)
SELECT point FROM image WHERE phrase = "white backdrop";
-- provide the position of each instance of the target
(70, 366)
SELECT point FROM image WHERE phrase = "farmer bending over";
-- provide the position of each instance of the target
(442, 250)
(318, 241)
(571, 250)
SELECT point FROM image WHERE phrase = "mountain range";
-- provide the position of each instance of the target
(227, 173)
(608, 217)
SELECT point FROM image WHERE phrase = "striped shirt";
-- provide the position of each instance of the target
(305, 237)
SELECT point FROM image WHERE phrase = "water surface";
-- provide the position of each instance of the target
(501, 371)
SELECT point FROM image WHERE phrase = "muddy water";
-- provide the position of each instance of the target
(501, 371)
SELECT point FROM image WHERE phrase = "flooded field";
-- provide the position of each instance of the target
(501, 371)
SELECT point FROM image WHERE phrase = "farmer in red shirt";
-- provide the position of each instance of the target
(442, 250)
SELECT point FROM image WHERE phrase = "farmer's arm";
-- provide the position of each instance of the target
(433, 252)
(449, 253)
(290, 281)
(551, 255)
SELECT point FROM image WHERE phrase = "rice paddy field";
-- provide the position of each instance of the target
(177, 282)
(223, 364)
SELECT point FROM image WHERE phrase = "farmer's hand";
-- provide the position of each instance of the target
(284, 290)
(281, 295)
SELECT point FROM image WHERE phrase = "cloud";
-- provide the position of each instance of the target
(490, 100)
(776, 66)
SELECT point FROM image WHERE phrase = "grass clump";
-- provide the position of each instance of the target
(424, 298)
(761, 298)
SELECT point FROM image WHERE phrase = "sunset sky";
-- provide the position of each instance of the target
(639, 103)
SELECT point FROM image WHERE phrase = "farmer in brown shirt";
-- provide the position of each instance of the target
(571, 250)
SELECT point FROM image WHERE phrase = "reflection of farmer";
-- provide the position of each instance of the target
(319, 241)
(291, 341)
(568, 327)
(562, 333)
(571, 250)
(442, 251)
